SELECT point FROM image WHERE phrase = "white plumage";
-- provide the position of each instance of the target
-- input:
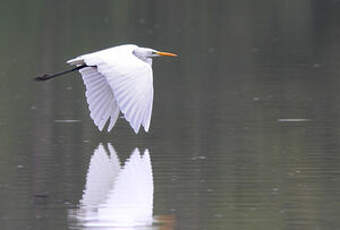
(119, 79)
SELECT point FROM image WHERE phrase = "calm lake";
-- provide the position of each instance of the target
(245, 130)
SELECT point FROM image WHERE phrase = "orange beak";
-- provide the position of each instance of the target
(166, 54)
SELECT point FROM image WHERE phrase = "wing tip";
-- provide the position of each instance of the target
(136, 129)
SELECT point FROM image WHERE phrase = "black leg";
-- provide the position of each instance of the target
(48, 76)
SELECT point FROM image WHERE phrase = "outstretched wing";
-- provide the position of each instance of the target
(133, 92)
(100, 98)
(131, 82)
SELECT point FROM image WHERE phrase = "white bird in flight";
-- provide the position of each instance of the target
(117, 79)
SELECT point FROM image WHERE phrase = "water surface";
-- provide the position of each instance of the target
(244, 131)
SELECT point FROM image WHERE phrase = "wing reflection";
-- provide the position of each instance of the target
(102, 172)
(114, 195)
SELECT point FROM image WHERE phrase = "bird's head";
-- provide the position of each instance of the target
(145, 54)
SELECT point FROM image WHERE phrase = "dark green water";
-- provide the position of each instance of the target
(245, 131)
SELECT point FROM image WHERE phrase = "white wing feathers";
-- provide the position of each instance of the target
(120, 81)
(100, 98)
(133, 92)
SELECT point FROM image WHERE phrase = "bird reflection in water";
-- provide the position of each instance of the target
(118, 196)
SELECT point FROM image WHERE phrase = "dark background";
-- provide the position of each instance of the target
(224, 154)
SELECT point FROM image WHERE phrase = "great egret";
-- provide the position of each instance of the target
(117, 79)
